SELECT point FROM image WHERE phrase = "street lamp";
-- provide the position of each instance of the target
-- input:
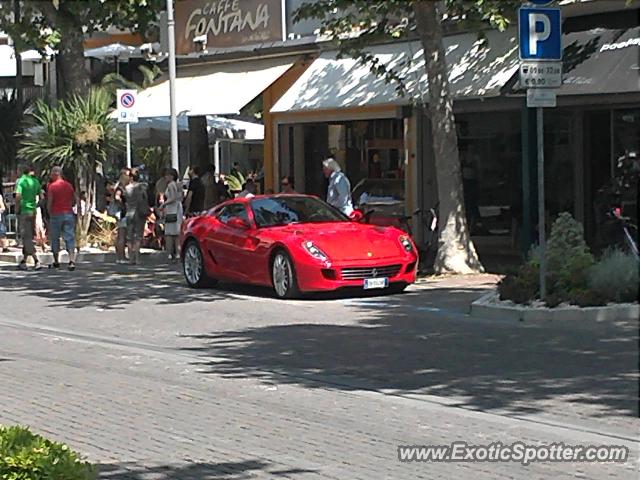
(171, 31)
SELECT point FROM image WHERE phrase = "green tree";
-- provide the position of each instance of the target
(76, 135)
(64, 25)
(379, 20)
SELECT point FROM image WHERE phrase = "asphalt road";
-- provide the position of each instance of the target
(152, 380)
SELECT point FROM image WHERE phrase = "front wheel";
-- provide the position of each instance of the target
(193, 266)
(283, 276)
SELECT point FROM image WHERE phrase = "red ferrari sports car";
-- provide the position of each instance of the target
(295, 244)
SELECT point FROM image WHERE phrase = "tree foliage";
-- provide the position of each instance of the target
(65, 24)
(357, 24)
(44, 22)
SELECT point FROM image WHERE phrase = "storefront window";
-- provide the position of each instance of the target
(490, 160)
(614, 166)
(559, 164)
(626, 156)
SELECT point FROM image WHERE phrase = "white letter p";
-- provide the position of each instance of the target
(535, 36)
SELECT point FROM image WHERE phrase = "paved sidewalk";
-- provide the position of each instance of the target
(152, 416)
(88, 255)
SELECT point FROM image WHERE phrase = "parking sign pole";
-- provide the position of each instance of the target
(128, 145)
(541, 202)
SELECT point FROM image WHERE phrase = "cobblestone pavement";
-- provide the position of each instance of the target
(154, 381)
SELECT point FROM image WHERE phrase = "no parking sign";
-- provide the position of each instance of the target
(127, 108)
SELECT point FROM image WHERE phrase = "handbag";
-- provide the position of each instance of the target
(171, 218)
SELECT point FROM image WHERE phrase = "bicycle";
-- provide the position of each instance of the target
(615, 214)
(430, 223)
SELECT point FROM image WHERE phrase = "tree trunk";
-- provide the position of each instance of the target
(198, 142)
(85, 182)
(74, 78)
(456, 252)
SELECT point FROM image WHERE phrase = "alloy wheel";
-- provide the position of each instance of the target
(193, 264)
(282, 275)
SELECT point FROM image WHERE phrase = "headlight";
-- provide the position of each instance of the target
(315, 252)
(406, 243)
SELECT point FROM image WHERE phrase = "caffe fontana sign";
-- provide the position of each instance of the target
(227, 23)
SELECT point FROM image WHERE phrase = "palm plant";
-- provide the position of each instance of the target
(235, 181)
(114, 81)
(76, 135)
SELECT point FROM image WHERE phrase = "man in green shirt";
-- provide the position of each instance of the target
(27, 190)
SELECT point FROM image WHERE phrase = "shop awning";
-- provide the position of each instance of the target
(478, 68)
(601, 61)
(218, 89)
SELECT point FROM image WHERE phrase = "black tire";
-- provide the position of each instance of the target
(193, 267)
(283, 276)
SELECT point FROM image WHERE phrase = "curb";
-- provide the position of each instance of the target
(149, 257)
(588, 317)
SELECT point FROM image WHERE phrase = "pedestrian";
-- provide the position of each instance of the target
(161, 186)
(27, 190)
(339, 190)
(235, 170)
(249, 189)
(124, 179)
(223, 189)
(137, 200)
(211, 195)
(287, 185)
(3, 227)
(117, 209)
(62, 221)
(173, 214)
(194, 202)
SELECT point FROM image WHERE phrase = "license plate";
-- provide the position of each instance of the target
(373, 283)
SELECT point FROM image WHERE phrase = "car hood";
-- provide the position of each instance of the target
(348, 241)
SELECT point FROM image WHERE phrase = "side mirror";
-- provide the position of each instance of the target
(238, 223)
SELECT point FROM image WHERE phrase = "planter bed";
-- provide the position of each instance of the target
(490, 306)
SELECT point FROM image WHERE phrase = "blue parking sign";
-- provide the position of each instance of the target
(540, 32)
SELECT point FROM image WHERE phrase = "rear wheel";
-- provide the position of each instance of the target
(283, 276)
(193, 266)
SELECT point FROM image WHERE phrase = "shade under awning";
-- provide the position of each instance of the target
(601, 62)
(222, 89)
(478, 68)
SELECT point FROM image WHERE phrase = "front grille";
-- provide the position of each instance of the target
(360, 273)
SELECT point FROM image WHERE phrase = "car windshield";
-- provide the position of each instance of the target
(278, 211)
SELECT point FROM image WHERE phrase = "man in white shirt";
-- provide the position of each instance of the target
(339, 191)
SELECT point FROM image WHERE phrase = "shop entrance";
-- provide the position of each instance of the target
(371, 153)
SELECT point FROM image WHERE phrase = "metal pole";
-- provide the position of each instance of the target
(16, 46)
(541, 209)
(171, 35)
(128, 145)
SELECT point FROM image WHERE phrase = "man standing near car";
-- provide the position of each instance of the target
(27, 190)
(194, 202)
(61, 198)
(339, 190)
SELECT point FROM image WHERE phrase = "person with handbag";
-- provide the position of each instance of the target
(117, 209)
(137, 200)
(172, 208)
